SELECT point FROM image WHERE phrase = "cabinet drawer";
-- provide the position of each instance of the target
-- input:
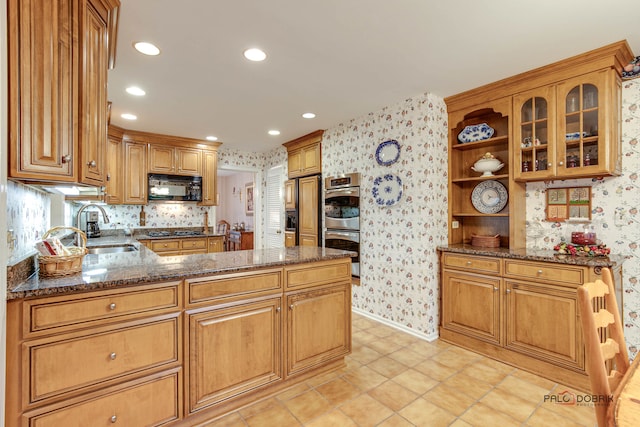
(320, 273)
(63, 312)
(194, 243)
(55, 367)
(165, 245)
(550, 272)
(225, 286)
(151, 403)
(476, 264)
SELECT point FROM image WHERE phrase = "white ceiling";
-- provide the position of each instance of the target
(340, 59)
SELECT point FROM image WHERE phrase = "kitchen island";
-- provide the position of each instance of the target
(140, 339)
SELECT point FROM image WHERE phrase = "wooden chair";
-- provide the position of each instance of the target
(598, 353)
(223, 227)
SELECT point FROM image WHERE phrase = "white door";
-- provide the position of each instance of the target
(274, 219)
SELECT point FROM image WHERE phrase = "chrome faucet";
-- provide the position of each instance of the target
(105, 218)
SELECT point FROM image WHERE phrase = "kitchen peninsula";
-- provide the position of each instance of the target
(141, 339)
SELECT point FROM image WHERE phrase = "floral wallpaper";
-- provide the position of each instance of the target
(157, 214)
(28, 216)
(398, 258)
(615, 203)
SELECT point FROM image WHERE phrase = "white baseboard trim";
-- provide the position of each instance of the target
(394, 325)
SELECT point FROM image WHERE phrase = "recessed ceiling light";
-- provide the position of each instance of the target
(308, 115)
(135, 90)
(146, 48)
(274, 132)
(128, 116)
(255, 54)
(212, 138)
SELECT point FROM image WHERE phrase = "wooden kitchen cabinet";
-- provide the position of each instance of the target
(170, 247)
(233, 350)
(304, 155)
(289, 239)
(175, 160)
(517, 311)
(74, 356)
(135, 176)
(115, 170)
(209, 178)
(290, 194)
(58, 56)
(308, 212)
(569, 130)
(216, 244)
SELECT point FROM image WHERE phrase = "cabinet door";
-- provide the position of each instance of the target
(308, 210)
(189, 161)
(209, 179)
(534, 115)
(43, 50)
(588, 125)
(290, 194)
(233, 350)
(162, 159)
(93, 95)
(216, 244)
(542, 322)
(115, 171)
(294, 163)
(290, 239)
(471, 305)
(135, 183)
(318, 327)
(311, 159)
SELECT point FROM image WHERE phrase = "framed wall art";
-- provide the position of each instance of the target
(570, 203)
(248, 200)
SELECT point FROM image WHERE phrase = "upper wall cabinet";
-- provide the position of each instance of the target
(560, 121)
(58, 60)
(304, 155)
(569, 130)
(175, 160)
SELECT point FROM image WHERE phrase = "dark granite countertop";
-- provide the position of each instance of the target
(535, 255)
(107, 271)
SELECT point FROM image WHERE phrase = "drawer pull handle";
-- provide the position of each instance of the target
(112, 306)
(539, 272)
(112, 356)
(113, 418)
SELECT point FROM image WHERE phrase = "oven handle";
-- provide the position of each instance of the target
(354, 237)
(342, 192)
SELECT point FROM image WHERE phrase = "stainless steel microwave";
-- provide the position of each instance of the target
(174, 188)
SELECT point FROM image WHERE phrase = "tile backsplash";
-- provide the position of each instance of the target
(28, 216)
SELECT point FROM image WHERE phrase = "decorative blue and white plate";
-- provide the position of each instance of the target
(489, 197)
(387, 190)
(388, 152)
(476, 133)
(574, 136)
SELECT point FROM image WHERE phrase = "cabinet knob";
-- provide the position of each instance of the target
(112, 356)
(549, 164)
(495, 289)
(66, 158)
(113, 419)
(112, 306)
(92, 164)
(561, 163)
(539, 272)
(165, 245)
(278, 309)
(291, 307)
(108, 177)
(508, 291)
(468, 262)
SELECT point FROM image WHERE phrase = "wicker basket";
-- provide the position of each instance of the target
(63, 265)
(486, 241)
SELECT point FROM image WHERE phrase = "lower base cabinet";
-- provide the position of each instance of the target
(523, 313)
(233, 350)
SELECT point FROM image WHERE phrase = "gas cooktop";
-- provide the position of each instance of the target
(174, 233)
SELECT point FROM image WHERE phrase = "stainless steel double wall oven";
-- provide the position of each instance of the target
(342, 215)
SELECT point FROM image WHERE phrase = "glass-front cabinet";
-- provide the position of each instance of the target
(569, 130)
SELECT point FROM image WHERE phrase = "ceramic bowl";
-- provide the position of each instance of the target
(487, 166)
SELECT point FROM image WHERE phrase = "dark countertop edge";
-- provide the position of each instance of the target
(535, 255)
(106, 285)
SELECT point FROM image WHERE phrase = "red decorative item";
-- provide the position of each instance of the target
(581, 238)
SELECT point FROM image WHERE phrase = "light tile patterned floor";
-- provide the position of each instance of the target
(394, 379)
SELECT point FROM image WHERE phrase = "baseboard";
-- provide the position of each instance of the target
(394, 325)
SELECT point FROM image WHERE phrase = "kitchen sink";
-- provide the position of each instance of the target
(111, 249)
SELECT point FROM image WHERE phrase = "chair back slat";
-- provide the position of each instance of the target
(609, 349)
(603, 318)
